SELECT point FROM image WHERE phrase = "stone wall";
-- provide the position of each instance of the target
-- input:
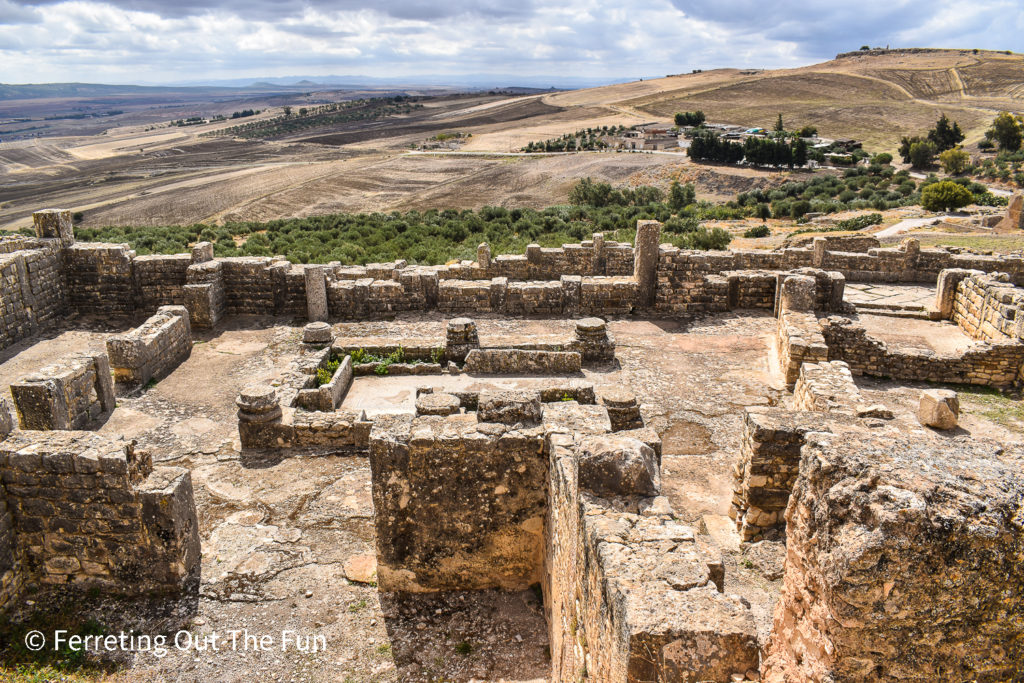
(152, 350)
(100, 278)
(896, 571)
(826, 388)
(160, 280)
(995, 364)
(33, 293)
(43, 278)
(69, 394)
(459, 504)
(520, 361)
(86, 509)
(768, 465)
(988, 307)
(630, 594)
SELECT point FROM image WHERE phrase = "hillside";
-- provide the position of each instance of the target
(876, 96)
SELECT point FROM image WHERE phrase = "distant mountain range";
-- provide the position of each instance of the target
(485, 81)
(299, 83)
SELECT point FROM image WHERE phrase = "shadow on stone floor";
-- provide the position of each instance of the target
(459, 636)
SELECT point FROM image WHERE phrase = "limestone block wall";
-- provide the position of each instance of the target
(767, 467)
(151, 350)
(630, 594)
(896, 571)
(799, 340)
(41, 279)
(12, 576)
(525, 361)
(995, 363)
(989, 307)
(159, 280)
(826, 388)
(87, 509)
(248, 285)
(459, 504)
(99, 278)
(69, 394)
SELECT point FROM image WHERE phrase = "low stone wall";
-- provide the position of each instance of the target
(45, 277)
(826, 388)
(995, 364)
(327, 397)
(69, 394)
(459, 503)
(516, 361)
(87, 509)
(896, 571)
(152, 350)
(988, 307)
(799, 340)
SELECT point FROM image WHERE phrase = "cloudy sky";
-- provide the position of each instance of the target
(151, 41)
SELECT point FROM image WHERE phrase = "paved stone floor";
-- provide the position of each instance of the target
(879, 294)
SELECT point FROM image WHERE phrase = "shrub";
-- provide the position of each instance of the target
(922, 154)
(945, 196)
(859, 222)
(882, 158)
(954, 161)
(757, 231)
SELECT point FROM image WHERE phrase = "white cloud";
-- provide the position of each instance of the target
(154, 40)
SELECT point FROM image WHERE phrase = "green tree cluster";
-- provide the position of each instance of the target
(690, 118)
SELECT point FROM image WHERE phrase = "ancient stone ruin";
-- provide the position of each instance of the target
(501, 462)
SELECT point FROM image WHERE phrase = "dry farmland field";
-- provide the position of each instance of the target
(141, 170)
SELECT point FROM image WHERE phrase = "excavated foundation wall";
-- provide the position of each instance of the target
(459, 504)
(86, 509)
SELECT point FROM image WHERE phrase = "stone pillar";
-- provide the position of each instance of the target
(316, 293)
(798, 292)
(258, 410)
(461, 338)
(645, 261)
(599, 263)
(945, 291)
(623, 410)
(572, 289)
(483, 256)
(317, 334)
(1014, 219)
(593, 341)
(55, 224)
(202, 252)
(912, 252)
(820, 245)
(204, 293)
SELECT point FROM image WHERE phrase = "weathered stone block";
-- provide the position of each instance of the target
(939, 408)
(509, 407)
(615, 466)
